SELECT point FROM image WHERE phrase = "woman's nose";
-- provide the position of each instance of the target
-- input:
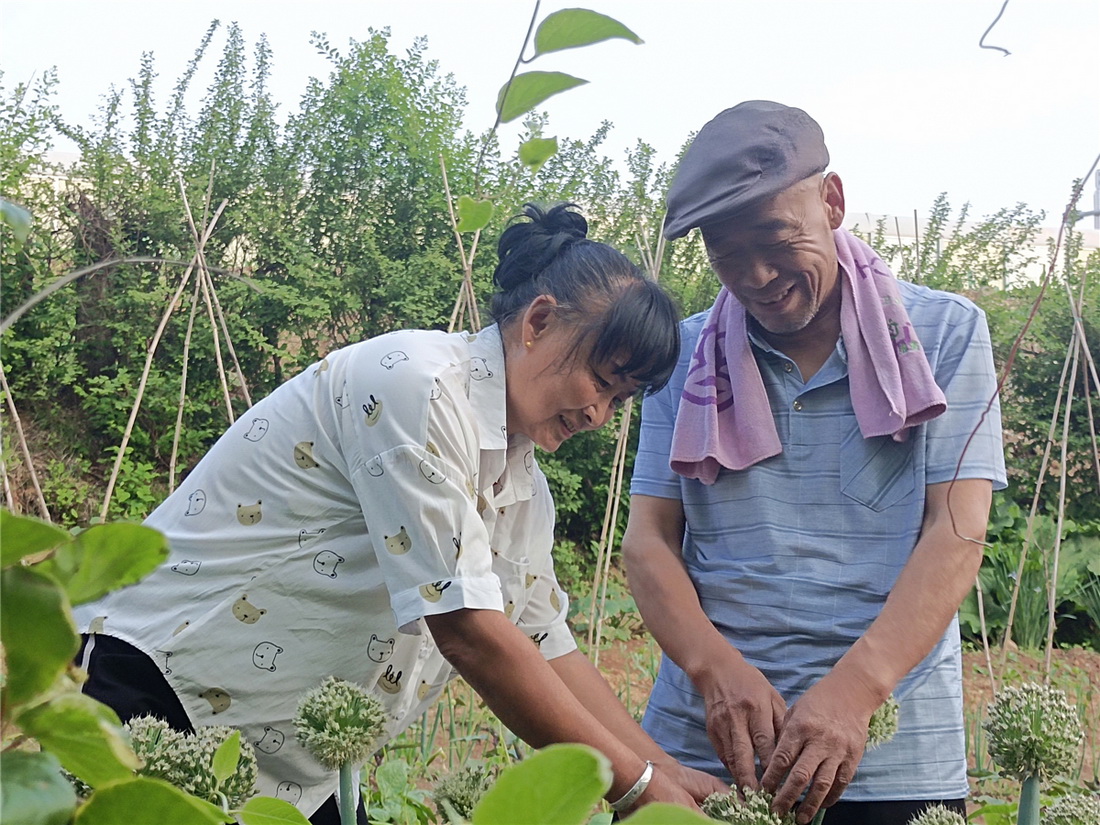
(599, 413)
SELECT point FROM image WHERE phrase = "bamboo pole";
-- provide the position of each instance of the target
(23, 448)
(183, 389)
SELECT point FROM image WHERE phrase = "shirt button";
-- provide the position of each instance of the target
(797, 406)
(787, 366)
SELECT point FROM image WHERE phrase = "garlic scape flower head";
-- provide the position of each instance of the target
(339, 723)
(753, 809)
(463, 789)
(883, 725)
(1033, 731)
(938, 815)
(187, 760)
(1073, 809)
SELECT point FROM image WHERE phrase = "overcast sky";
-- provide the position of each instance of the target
(910, 105)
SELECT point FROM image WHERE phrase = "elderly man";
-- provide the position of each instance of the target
(811, 492)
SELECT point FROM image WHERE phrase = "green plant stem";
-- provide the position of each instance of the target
(349, 778)
(819, 817)
(1029, 802)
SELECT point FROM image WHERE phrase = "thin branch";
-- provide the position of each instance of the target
(23, 447)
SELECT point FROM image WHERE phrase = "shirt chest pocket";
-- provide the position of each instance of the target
(878, 472)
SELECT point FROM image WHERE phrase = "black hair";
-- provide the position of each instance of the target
(616, 309)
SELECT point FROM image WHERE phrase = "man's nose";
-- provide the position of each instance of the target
(754, 273)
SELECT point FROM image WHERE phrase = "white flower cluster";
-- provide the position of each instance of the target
(187, 760)
(884, 723)
(1033, 731)
(339, 723)
(753, 809)
(463, 789)
(938, 815)
(1073, 809)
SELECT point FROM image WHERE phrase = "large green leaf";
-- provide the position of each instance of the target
(267, 810)
(33, 791)
(36, 627)
(570, 28)
(141, 800)
(535, 152)
(557, 786)
(17, 218)
(21, 536)
(85, 735)
(473, 215)
(661, 813)
(106, 557)
(529, 89)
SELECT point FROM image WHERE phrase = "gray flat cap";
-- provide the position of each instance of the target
(746, 154)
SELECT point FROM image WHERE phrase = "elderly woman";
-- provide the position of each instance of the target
(382, 518)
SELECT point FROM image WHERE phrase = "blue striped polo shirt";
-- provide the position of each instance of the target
(793, 557)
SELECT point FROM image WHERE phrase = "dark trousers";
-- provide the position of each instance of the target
(886, 813)
(126, 680)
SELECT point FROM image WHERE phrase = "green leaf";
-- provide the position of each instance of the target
(661, 813)
(37, 631)
(267, 810)
(33, 791)
(529, 89)
(20, 536)
(85, 735)
(106, 557)
(536, 151)
(17, 218)
(570, 28)
(226, 757)
(146, 800)
(558, 785)
(392, 777)
(473, 215)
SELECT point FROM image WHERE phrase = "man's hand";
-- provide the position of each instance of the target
(820, 746)
(744, 718)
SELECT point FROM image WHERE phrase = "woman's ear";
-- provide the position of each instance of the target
(539, 317)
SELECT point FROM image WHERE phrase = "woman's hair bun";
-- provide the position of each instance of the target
(527, 248)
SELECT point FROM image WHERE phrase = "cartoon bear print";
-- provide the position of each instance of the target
(245, 611)
(342, 400)
(374, 467)
(96, 625)
(306, 535)
(530, 580)
(264, 655)
(165, 655)
(248, 514)
(196, 503)
(457, 542)
(432, 474)
(181, 628)
(258, 429)
(393, 358)
(431, 448)
(379, 650)
(529, 461)
(437, 391)
(289, 792)
(373, 411)
(470, 489)
(399, 544)
(389, 681)
(218, 698)
(322, 366)
(538, 638)
(325, 563)
(479, 369)
(555, 601)
(509, 609)
(303, 455)
(186, 567)
(433, 592)
(271, 741)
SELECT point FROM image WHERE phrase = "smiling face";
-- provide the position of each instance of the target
(553, 391)
(779, 258)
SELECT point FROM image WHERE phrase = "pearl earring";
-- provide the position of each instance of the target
(528, 345)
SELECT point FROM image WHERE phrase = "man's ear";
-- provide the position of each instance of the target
(832, 192)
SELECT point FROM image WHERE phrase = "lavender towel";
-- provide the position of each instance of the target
(725, 419)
